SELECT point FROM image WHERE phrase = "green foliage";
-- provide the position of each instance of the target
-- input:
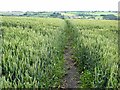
(96, 49)
(32, 52)
(86, 79)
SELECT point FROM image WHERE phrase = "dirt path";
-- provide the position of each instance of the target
(71, 77)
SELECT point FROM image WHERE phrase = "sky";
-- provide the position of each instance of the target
(58, 5)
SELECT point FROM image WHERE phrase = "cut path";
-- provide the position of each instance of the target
(71, 77)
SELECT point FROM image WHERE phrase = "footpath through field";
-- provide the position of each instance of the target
(71, 78)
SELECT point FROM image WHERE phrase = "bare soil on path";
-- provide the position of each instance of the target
(71, 78)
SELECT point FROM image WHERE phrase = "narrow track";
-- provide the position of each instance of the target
(71, 77)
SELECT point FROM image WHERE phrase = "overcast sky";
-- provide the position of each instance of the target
(58, 5)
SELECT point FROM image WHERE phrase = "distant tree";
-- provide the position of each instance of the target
(55, 14)
(25, 14)
(109, 17)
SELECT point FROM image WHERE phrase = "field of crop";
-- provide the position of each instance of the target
(32, 52)
(96, 51)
